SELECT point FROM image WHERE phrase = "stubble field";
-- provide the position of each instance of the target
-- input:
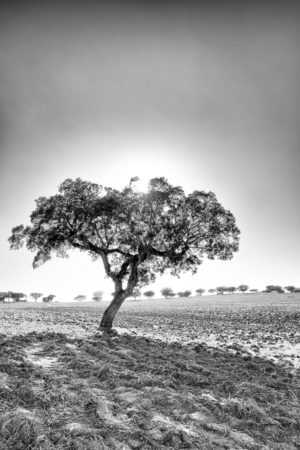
(218, 372)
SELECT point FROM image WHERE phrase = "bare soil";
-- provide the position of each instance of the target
(203, 373)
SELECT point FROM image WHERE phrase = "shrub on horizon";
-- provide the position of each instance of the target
(274, 288)
(49, 298)
(221, 289)
(243, 288)
(80, 298)
(167, 292)
(290, 288)
(200, 291)
(97, 296)
(36, 295)
(149, 294)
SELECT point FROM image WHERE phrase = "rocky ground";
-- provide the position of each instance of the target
(197, 376)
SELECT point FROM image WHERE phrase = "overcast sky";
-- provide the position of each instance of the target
(204, 93)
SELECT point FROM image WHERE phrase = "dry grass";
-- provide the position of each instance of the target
(80, 390)
(135, 393)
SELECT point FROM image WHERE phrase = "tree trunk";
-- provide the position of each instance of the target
(111, 311)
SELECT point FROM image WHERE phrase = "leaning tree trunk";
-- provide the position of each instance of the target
(110, 312)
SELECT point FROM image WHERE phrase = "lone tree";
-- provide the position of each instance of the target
(211, 291)
(137, 235)
(35, 295)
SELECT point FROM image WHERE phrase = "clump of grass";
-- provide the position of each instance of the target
(258, 392)
(19, 429)
(244, 409)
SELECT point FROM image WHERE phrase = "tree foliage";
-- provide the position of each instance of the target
(149, 294)
(221, 289)
(80, 298)
(49, 298)
(184, 293)
(167, 292)
(136, 235)
(231, 289)
(18, 296)
(274, 288)
(97, 296)
(136, 293)
(200, 291)
(290, 288)
(211, 291)
(36, 295)
(242, 288)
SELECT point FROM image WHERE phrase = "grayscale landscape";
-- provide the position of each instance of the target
(149, 225)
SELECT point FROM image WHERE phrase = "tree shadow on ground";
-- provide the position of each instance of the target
(128, 392)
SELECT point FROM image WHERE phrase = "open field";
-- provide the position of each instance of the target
(219, 372)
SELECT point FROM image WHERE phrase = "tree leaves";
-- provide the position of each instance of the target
(137, 235)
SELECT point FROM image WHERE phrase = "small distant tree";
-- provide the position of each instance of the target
(243, 288)
(136, 293)
(200, 291)
(97, 296)
(167, 292)
(231, 289)
(274, 288)
(18, 296)
(211, 291)
(221, 289)
(35, 295)
(290, 288)
(149, 294)
(80, 298)
(5, 295)
(296, 290)
(136, 235)
(253, 290)
(184, 293)
(49, 298)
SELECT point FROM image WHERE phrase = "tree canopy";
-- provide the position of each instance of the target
(167, 292)
(136, 235)
(149, 294)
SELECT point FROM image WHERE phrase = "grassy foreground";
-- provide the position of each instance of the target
(122, 392)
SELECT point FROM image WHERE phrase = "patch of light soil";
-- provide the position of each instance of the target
(43, 361)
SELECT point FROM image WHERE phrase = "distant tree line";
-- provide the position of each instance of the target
(167, 292)
(13, 296)
(17, 297)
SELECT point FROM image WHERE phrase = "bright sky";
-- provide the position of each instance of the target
(207, 96)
